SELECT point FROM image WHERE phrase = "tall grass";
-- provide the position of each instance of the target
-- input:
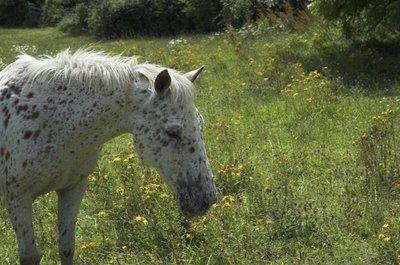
(301, 131)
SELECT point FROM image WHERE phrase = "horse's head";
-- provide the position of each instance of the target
(168, 136)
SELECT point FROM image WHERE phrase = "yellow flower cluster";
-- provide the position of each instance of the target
(234, 170)
(122, 191)
(164, 195)
(128, 158)
(139, 220)
(199, 224)
(297, 66)
(189, 236)
(384, 237)
(151, 189)
(92, 178)
(88, 245)
(313, 75)
(227, 200)
(102, 214)
(384, 117)
(117, 159)
(304, 85)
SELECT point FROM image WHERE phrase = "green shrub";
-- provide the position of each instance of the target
(13, 12)
(237, 12)
(203, 15)
(53, 11)
(366, 20)
(75, 22)
(119, 18)
(124, 18)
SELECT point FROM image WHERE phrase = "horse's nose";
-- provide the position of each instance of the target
(197, 205)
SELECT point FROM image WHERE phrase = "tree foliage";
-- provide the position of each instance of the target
(116, 18)
(377, 20)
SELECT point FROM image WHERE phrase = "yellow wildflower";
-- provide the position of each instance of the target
(227, 200)
(129, 158)
(117, 159)
(102, 214)
(150, 189)
(92, 178)
(122, 191)
(385, 225)
(164, 195)
(88, 245)
(381, 236)
(118, 205)
(140, 220)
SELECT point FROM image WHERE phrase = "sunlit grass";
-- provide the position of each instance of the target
(303, 153)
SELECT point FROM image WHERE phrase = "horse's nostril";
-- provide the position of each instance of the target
(195, 208)
(204, 206)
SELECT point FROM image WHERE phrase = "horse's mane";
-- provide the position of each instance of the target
(96, 70)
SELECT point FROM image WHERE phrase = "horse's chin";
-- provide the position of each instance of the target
(192, 214)
(195, 201)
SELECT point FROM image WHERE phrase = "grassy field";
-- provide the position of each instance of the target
(301, 130)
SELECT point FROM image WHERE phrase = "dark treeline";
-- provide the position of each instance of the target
(119, 18)
(376, 20)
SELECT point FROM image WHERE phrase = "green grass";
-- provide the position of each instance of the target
(301, 131)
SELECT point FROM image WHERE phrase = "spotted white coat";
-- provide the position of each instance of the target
(57, 112)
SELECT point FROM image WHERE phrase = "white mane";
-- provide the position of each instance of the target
(96, 70)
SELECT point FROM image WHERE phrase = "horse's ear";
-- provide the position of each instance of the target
(163, 81)
(192, 76)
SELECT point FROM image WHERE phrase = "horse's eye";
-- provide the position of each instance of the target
(175, 135)
(174, 131)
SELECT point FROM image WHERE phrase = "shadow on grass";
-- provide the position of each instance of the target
(368, 66)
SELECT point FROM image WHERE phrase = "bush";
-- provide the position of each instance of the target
(125, 18)
(237, 12)
(53, 11)
(366, 20)
(75, 22)
(120, 18)
(203, 15)
(13, 12)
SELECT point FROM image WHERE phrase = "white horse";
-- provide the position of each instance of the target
(56, 114)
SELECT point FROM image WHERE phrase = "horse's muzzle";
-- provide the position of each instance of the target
(195, 200)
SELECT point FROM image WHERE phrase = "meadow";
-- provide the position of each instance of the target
(301, 130)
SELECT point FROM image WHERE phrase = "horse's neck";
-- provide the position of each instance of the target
(96, 116)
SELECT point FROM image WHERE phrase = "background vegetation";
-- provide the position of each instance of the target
(366, 21)
(121, 18)
(372, 20)
(302, 127)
